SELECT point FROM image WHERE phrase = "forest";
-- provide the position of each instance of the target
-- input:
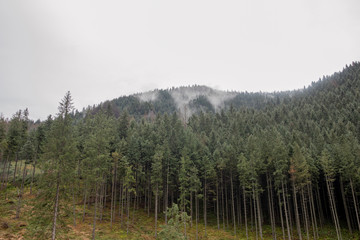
(279, 167)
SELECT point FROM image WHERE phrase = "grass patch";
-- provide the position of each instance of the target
(141, 227)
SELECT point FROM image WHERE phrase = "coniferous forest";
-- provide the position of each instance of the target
(284, 165)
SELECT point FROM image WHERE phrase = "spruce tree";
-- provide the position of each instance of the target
(58, 164)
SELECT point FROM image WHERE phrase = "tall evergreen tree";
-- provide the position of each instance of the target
(58, 165)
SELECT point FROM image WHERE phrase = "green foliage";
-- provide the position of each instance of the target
(28, 150)
(17, 133)
(262, 142)
(58, 164)
(173, 230)
(328, 165)
(3, 140)
(299, 169)
(244, 171)
(156, 178)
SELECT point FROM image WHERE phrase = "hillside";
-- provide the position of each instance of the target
(194, 99)
(222, 165)
(189, 100)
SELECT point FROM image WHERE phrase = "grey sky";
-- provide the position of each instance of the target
(100, 50)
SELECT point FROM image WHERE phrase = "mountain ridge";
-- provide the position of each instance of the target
(200, 98)
(193, 98)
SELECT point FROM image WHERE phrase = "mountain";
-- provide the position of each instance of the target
(194, 99)
(185, 100)
(283, 155)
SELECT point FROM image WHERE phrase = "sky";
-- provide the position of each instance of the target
(100, 50)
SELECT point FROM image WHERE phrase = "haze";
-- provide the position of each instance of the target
(101, 50)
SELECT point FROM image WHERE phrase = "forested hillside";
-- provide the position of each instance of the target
(283, 165)
(184, 101)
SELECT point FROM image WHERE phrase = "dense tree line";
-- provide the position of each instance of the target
(292, 164)
(195, 98)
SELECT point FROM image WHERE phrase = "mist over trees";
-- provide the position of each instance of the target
(288, 160)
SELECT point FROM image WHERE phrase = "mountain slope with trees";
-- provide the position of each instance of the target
(266, 166)
(184, 101)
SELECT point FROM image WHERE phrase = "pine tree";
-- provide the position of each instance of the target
(58, 165)
(98, 160)
(173, 229)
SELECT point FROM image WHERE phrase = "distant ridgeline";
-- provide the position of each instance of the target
(195, 99)
(186, 101)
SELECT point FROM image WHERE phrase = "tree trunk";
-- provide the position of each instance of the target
(114, 195)
(335, 211)
(325, 196)
(128, 211)
(191, 208)
(345, 205)
(16, 162)
(3, 174)
(145, 194)
(222, 200)
(33, 175)
(7, 175)
(355, 203)
(184, 220)
(95, 208)
(135, 195)
(20, 167)
(133, 214)
(149, 196)
(271, 207)
(232, 202)
(53, 235)
(3, 170)
(113, 203)
(333, 207)
(281, 216)
(286, 212)
(103, 198)
(305, 213)
(319, 207)
(245, 215)
(289, 207)
(217, 205)
(156, 208)
(259, 215)
(84, 209)
(297, 219)
(313, 213)
(121, 208)
(205, 208)
(74, 204)
(251, 213)
(239, 208)
(226, 208)
(121, 196)
(196, 214)
(255, 212)
(20, 194)
(167, 193)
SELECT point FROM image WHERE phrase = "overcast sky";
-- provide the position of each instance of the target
(100, 50)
